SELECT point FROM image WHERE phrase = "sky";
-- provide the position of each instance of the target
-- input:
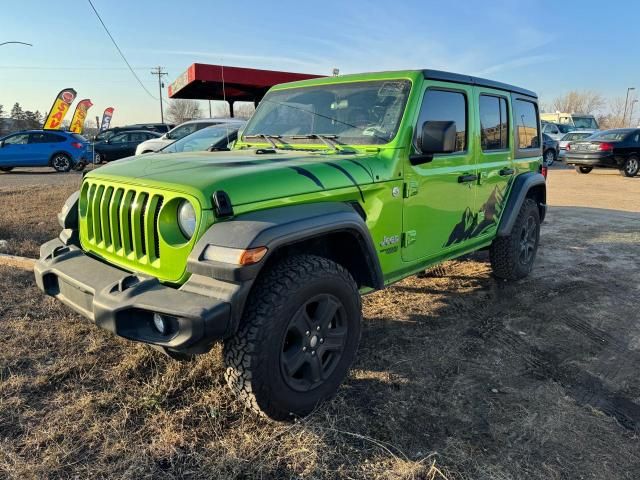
(550, 47)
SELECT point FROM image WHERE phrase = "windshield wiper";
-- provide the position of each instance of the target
(268, 138)
(328, 140)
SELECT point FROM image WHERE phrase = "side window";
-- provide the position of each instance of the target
(20, 139)
(526, 123)
(38, 138)
(448, 106)
(494, 123)
(53, 138)
(138, 137)
(121, 138)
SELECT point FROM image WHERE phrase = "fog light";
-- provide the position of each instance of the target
(161, 324)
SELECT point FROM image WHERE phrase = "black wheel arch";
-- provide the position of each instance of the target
(526, 185)
(334, 230)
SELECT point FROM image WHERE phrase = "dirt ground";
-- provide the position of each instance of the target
(458, 377)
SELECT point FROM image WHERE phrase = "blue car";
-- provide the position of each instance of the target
(44, 148)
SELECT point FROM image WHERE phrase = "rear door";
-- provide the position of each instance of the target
(494, 159)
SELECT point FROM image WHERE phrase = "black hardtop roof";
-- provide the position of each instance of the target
(469, 80)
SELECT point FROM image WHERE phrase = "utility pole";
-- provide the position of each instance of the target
(160, 73)
(626, 101)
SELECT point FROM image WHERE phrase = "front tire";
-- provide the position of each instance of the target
(583, 170)
(512, 257)
(549, 157)
(61, 162)
(630, 167)
(298, 337)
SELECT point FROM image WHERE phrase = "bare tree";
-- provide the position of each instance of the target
(615, 116)
(586, 101)
(243, 109)
(182, 110)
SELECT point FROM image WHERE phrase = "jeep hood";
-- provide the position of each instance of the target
(245, 175)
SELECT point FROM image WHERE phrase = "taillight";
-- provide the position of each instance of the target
(544, 170)
(605, 147)
(568, 147)
(77, 145)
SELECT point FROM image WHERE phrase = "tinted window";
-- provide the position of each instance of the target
(569, 137)
(612, 135)
(564, 128)
(20, 139)
(120, 138)
(53, 138)
(441, 105)
(494, 123)
(138, 137)
(526, 123)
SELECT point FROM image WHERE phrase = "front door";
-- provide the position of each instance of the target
(15, 150)
(495, 161)
(439, 192)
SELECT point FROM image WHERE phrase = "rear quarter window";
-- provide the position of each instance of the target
(526, 124)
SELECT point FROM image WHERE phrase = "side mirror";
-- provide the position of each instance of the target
(1, 143)
(438, 137)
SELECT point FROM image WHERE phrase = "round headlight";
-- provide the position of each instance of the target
(187, 219)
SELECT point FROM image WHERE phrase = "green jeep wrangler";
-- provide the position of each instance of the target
(336, 187)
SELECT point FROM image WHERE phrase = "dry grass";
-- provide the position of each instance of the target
(28, 216)
(458, 377)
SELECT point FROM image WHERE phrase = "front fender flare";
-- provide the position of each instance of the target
(278, 227)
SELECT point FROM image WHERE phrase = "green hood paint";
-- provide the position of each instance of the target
(245, 175)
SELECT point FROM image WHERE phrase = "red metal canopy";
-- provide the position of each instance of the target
(218, 82)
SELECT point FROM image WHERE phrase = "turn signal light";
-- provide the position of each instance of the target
(235, 256)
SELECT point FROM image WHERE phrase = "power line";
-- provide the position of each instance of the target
(120, 51)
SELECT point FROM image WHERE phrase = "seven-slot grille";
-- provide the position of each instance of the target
(123, 221)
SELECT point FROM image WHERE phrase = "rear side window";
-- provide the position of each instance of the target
(78, 137)
(526, 123)
(444, 105)
(494, 123)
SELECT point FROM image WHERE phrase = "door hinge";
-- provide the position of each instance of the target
(408, 238)
(410, 189)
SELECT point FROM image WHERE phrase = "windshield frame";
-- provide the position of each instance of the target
(314, 142)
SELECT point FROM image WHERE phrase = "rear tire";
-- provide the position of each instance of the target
(630, 167)
(6, 169)
(512, 257)
(61, 162)
(583, 170)
(549, 157)
(298, 337)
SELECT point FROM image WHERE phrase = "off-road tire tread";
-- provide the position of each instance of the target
(267, 296)
(502, 254)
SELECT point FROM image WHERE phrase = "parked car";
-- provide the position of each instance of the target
(160, 128)
(213, 138)
(555, 130)
(121, 145)
(335, 188)
(572, 137)
(550, 149)
(179, 132)
(619, 149)
(44, 148)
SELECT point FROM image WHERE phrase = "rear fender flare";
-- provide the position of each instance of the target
(522, 185)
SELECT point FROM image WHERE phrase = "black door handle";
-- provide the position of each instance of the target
(467, 178)
(505, 172)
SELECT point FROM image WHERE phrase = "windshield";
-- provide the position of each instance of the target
(202, 140)
(611, 136)
(104, 135)
(361, 113)
(585, 122)
(570, 137)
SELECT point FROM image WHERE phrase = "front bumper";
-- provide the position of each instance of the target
(125, 303)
